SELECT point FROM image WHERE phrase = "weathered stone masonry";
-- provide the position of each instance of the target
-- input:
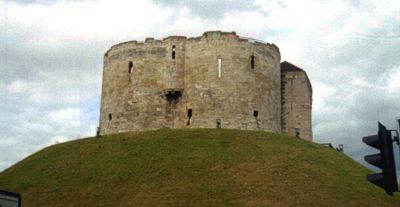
(296, 101)
(216, 80)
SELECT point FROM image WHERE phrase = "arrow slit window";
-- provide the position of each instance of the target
(130, 68)
(189, 114)
(219, 67)
(173, 51)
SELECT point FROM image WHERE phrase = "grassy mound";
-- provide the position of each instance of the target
(201, 167)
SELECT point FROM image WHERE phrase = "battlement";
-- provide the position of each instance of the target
(218, 34)
(175, 38)
(219, 79)
(214, 35)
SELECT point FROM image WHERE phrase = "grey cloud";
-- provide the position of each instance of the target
(368, 59)
(51, 77)
(27, 54)
(48, 2)
(210, 9)
(27, 127)
(355, 110)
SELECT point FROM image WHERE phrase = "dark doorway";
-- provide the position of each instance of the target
(218, 122)
(189, 114)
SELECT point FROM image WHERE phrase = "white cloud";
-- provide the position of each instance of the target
(322, 94)
(65, 20)
(357, 82)
(18, 86)
(66, 115)
(306, 17)
(393, 82)
(251, 21)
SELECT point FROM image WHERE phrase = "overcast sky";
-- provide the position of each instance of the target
(51, 60)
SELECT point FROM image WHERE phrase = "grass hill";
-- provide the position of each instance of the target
(200, 167)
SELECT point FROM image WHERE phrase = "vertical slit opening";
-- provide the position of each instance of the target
(189, 114)
(173, 51)
(252, 62)
(219, 67)
(255, 114)
(130, 68)
(109, 117)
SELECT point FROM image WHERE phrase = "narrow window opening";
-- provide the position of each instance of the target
(252, 62)
(109, 117)
(173, 51)
(219, 67)
(255, 114)
(218, 123)
(189, 114)
(130, 68)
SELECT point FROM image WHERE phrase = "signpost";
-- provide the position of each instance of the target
(9, 199)
(398, 121)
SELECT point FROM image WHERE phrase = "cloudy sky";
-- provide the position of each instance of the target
(51, 60)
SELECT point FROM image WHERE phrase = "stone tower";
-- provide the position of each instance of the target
(296, 101)
(218, 80)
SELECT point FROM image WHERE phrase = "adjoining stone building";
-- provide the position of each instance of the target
(296, 101)
(218, 80)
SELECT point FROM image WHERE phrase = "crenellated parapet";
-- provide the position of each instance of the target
(219, 79)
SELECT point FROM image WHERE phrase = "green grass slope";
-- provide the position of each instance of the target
(201, 167)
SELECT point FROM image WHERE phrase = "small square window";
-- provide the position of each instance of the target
(255, 114)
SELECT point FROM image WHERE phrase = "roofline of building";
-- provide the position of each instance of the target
(297, 69)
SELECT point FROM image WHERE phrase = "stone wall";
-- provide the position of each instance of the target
(216, 80)
(296, 102)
